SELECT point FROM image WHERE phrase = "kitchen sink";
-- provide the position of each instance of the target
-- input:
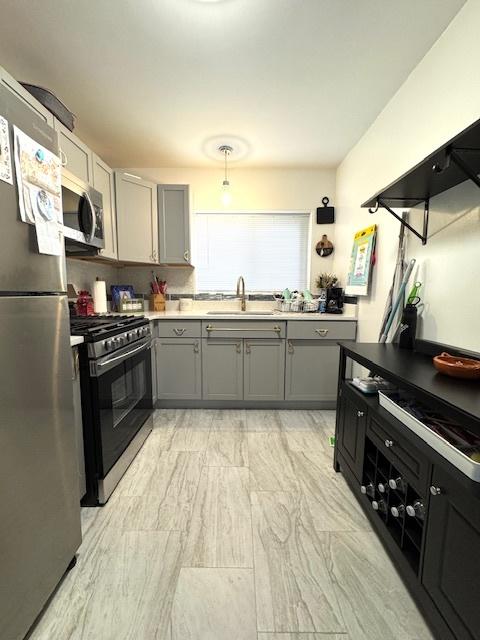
(240, 313)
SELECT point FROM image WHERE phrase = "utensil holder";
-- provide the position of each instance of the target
(157, 302)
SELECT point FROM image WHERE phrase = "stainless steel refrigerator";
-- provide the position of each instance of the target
(39, 502)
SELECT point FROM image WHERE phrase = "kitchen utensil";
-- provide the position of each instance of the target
(466, 368)
(413, 296)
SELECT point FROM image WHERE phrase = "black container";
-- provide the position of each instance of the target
(52, 103)
(408, 330)
(335, 300)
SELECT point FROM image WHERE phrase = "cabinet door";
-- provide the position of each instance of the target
(350, 431)
(22, 94)
(264, 369)
(222, 369)
(451, 570)
(103, 181)
(174, 223)
(77, 158)
(311, 370)
(137, 227)
(179, 372)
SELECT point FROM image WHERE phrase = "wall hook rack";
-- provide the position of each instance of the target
(426, 213)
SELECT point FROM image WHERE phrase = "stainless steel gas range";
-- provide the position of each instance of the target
(116, 383)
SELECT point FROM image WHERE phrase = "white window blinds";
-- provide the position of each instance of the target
(270, 250)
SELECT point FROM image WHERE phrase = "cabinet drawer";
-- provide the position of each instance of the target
(404, 455)
(321, 330)
(243, 329)
(178, 329)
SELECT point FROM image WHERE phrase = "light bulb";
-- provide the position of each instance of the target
(226, 195)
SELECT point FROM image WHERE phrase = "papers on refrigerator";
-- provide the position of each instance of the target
(5, 157)
(38, 173)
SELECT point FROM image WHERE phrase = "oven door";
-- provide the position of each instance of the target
(122, 400)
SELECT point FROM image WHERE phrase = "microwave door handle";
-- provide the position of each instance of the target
(92, 213)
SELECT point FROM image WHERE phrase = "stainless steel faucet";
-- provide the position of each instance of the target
(241, 285)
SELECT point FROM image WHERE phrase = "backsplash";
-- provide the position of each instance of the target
(82, 274)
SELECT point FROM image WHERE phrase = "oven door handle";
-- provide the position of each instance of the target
(123, 356)
(86, 195)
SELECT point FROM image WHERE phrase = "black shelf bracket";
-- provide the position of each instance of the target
(426, 214)
(453, 156)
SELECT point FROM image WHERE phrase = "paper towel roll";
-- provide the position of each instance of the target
(99, 296)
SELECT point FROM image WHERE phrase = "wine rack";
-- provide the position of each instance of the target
(396, 503)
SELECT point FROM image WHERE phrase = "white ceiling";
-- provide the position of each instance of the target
(151, 81)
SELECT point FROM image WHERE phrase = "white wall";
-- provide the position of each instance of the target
(439, 99)
(252, 190)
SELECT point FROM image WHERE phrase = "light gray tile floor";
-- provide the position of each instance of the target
(232, 525)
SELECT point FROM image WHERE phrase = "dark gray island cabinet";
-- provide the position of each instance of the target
(424, 509)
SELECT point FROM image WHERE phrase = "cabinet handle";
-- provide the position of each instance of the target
(179, 332)
(389, 443)
(360, 414)
(247, 348)
(63, 158)
(186, 256)
(435, 491)
(196, 348)
(211, 328)
(290, 346)
(321, 332)
(238, 347)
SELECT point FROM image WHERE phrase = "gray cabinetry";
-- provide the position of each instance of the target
(103, 181)
(222, 369)
(137, 223)
(174, 223)
(311, 370)
(22, 94)
(179, 370)
(264, 369)
(75, 155)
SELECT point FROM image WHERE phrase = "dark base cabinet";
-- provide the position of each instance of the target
(451, 568)
(425, 511)
(352, 420)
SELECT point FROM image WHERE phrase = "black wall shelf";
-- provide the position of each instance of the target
(455, 162)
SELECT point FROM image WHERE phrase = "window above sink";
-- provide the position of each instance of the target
(269, 249)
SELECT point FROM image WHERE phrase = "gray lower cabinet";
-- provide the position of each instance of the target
(222, 369)
(264, 369)
(311, 370)
(179, 368)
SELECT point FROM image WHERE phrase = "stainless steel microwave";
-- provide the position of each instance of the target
(82, 218)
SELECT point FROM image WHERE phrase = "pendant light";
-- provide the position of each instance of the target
(226, 195)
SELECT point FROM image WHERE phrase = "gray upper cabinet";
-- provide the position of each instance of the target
(22, 94)
(103, 181)
(311, 370)
(137, 219)
(264, 369)
(222, 369)
(179, 369)
(174, 223)
(77, 158)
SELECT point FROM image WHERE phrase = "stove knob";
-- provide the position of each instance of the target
(131, 336)
(108, 344)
